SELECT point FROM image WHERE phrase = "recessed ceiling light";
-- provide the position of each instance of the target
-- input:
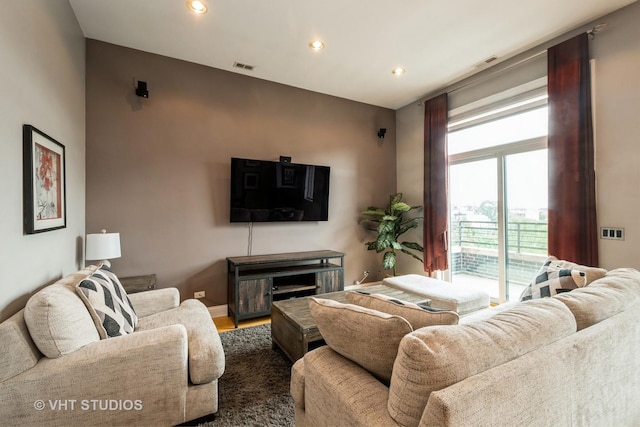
(316, 45)
(398, 71)
(196, 6)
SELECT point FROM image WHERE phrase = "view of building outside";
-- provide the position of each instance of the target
(495, 164)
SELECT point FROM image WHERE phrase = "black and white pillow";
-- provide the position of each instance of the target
(552, 280)
(108, 303)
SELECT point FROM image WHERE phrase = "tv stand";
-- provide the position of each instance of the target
(256, 281)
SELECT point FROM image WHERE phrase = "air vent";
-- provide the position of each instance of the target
(489, 60)
(243, 66)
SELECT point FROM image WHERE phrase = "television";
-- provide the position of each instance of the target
(268, 191)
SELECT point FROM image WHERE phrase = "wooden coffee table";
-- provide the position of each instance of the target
(294, 330)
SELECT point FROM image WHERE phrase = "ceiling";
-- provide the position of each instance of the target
(437, 42)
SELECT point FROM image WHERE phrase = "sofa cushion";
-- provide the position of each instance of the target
(206, 355)
(417, 316)
(108, 303)
(23, 353)
(431, 359)
(58, 320)
(612, 294)
(368, 337)
(552, 280)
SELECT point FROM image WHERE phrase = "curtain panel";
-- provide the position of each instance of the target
(435, 184)
(573, 233)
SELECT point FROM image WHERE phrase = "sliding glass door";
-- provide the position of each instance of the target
(474, 224)
(498, 203)
(525, 218)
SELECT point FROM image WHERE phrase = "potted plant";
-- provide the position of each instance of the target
(390, 224)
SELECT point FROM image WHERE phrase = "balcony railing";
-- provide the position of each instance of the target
(522, 237)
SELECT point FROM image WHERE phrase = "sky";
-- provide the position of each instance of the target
(526, 173)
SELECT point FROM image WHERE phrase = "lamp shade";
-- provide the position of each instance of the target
(103, 246)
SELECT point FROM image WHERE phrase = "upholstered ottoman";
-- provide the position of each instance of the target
(444, 295)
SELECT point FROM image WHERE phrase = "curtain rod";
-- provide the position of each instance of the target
(496, 72)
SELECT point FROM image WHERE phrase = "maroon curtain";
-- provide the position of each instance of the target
(435, 184)
(573, 233)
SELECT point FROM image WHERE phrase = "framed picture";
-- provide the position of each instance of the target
(44, 182)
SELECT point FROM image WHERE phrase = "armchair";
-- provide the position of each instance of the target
(164, 373)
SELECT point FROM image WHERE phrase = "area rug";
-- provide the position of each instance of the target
(254, 390)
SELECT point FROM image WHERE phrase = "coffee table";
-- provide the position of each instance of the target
(294, 330)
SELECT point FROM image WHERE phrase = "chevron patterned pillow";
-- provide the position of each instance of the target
(108, 303)
(552, 280)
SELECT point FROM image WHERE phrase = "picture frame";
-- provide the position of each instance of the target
(44, 182)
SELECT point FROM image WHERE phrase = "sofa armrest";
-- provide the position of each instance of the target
(152, 302)
(296, 387)
(339, 392)
(206, 355)
(137, 379)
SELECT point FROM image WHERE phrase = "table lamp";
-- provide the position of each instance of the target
(103, 246)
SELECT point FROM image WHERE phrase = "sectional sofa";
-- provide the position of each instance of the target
(567, 360)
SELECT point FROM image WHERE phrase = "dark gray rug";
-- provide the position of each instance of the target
(254, 390)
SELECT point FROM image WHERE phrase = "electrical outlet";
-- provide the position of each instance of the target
(612, 233)
(199, 294)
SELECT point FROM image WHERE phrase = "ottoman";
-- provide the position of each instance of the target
(444, 295)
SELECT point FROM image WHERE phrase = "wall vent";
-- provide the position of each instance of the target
(489, 60)
(243, 66)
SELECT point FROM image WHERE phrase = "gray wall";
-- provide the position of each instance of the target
(616, 51)
(42, 81)
(158, 168)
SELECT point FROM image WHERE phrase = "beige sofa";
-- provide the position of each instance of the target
(568, 360)
(164, 373)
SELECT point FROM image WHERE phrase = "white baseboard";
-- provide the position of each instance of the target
(218, 311)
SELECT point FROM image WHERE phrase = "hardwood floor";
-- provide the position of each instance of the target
(224, 324)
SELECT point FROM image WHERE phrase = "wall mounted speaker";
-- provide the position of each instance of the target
(141, 89)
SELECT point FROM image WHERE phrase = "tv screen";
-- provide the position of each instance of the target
(266, 191)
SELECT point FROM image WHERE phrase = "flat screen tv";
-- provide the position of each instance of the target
(266, 191)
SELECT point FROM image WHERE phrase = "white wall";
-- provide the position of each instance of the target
(41, 83)
(616, 51)
(617, 93)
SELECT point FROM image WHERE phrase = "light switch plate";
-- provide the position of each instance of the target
(612, 233)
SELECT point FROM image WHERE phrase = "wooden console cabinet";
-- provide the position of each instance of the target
(256, 281)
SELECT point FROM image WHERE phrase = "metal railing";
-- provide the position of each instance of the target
(529, 237)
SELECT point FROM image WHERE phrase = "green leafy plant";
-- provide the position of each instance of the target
(390, 224)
